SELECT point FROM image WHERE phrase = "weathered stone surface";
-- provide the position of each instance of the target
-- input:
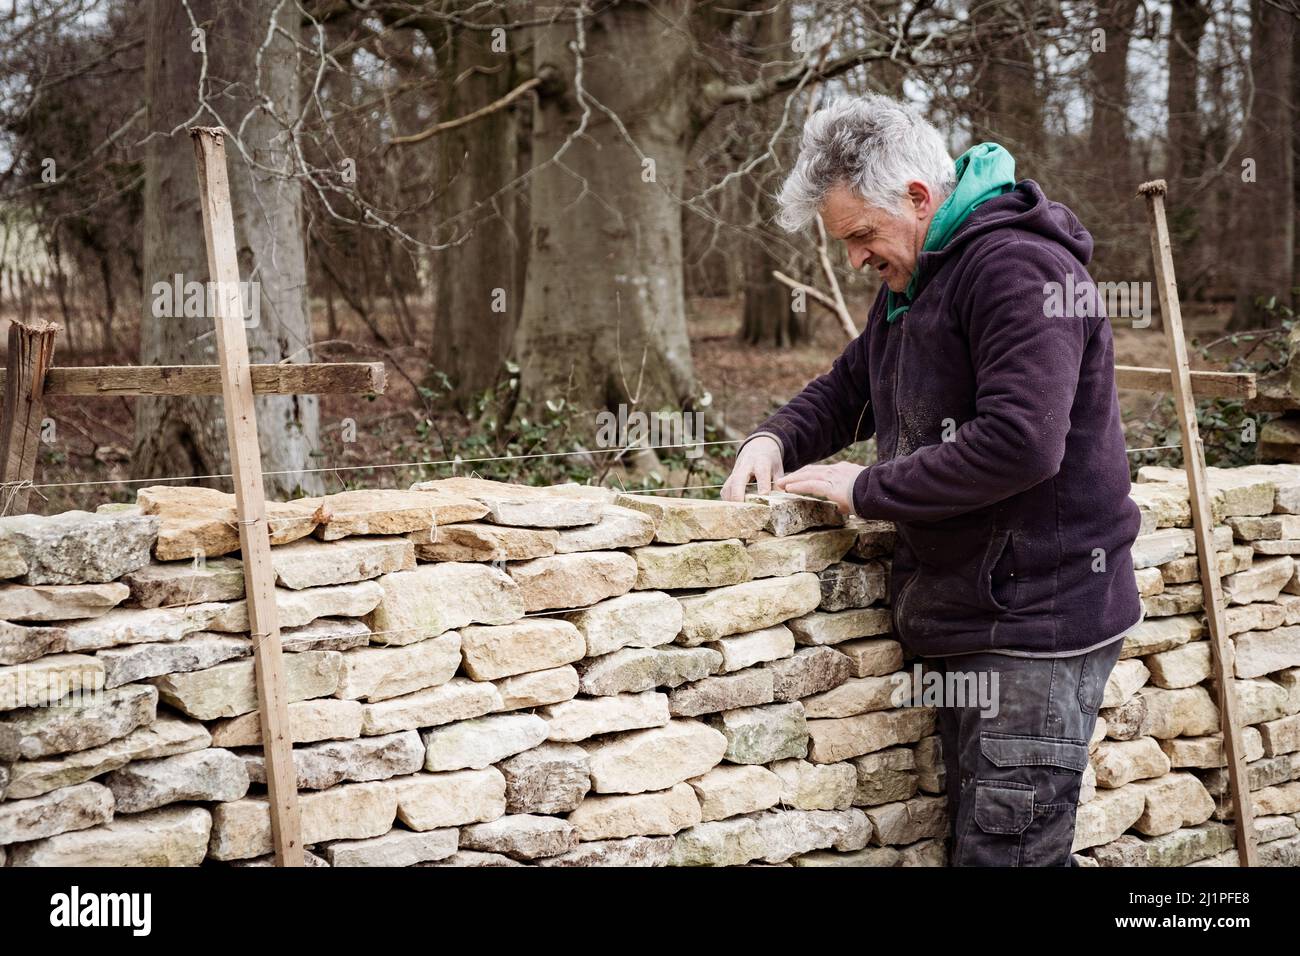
(77, 547)
(809, 786)
(197, 651)
(1106, 816)
(809, 671)
(172, 836)
(378, 673)
(70, 808)
(186, 582)
(1181, 667)
(634, 669)
(646, 814)
(12, 563)
(1262, 773)
(1281, 736)
(1175, 599)
(1206, 752)
(163, 738)
(809, 551)
(747, 607)
(394, 848)
(790, 514)
(1186, 712)
(909, 820)
(1172, 801)
(41, 682)
(81, 723)
(1119, 762)
(574, 720)
(309, 720)
(788, 833)
(679, 520)
(1124, 681)
(475, 744)
(204, 521)
(747, 688)
(760, 735)
(325, 764)
(1257, 653)
(1126, 721)
(730, 790)
(484, 542)
(389, 511)
(872, 657)
(835, 627)
(1149, 581)
(474, 858)
(875, 538)
(300, 608)
(632, 851)
(757, 647)
(731, 842)
(521, 836)
(639, 619)
(654, 759)
(1233, 491)
(1258, 700)
(833, 740)
(458, 699)
(857, 695)
(1162, 505)
(434, 598)
(20, 644)
(1283, 798)
(1161, 634)
(208, 774)
(549, 778)
(59, 602)
(573, 580)
(1262, 617)
(1263, 581)
(698, 564)
(230, 689)
(325, 634)
(849, 584)
(885, 776)
(522, 505)
(1180, 848)
(532, 644)
(617, 528)
(311, 564)
(427, 801)
(132, 626)
(354, 811)
(873, 856)
(538, 688)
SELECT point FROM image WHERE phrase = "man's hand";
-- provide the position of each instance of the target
(832, 482)
(760, 461)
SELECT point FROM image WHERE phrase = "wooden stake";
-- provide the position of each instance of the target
(1202, 523)
(31, 350)
(246, 465)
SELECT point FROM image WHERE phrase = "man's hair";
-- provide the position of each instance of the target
(872, 144)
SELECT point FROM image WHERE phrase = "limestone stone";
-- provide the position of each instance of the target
(1118, 762)
(209, 774)
(481, 742)
(139, 626)
(1185, 712)
(572, 580)
(1281, 736)
(1180, 667)
(1162, 504)
(378, 673)
(1176, 599)
(808, 551)
(632, 851)
(730, 790)
(521, 836)
(637, 619)
(1105, 817)
(835, 627)
(484, 542)
(12, 563)
(679, 520)
(165, 737)
(20, 644)
(747, 688)
(310, 564)
(197, 651)
(1172, 801)
(908, 821)
(857, 695)
(521, 505)
(70, 808)
(872, 657)
(549, 778)
(309, 720)
(325, 634)
(1256, 653)
(1258, 700)
(646, 814)
(474, 858)
(325, 764)
(457, 699)
(230, 689)
(59, 602)
(81, 724)
(390, 511)
(397, 847)
(874, 856)
(836, 739)
(427, 801)
(1261, 617)
(1149, 581)
(747, 607)
(1232, 492)
(186, 582)
(1263, 581)
(789, 514)
(532, 644)
(764, 734)
(41, 682)
(810, 786)
(1182, 847)
(537, 688)
(809, 671)
(172, 836)
(788, 833)
(930, 767)
(1159, 547)
(730, 842)
(1124, 681)
(634, 669)
(354, 811)
(655, 758)
(77, 547)
(1161, 634)
(885, 776)
(581, 718)
(617, 528)
(875, 538)
(1207, 752)
(1126, 721)
(757, 647)
(1284, 798)
(204, 521)
(300, 608)
(434, 598)
(697, 564)
(1260, 774)
(850, 584)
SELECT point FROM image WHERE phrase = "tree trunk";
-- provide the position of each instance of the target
(477, 298)
(1008, 102)
(186, 435)
(1185, 160)
(604, 319)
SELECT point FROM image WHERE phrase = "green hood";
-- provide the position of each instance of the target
(983, 173)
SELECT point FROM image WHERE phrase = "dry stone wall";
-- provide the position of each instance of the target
(484, 674)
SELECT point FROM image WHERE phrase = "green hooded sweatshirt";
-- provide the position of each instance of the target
(983, 173)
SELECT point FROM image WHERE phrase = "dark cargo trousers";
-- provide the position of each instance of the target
(1013, 776)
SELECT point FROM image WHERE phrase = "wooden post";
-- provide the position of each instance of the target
(1202, 519)
(246, 466)
(31, 350)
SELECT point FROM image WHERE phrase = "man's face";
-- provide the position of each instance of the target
(887, 241)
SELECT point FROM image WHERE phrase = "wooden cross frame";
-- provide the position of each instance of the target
(29, 377)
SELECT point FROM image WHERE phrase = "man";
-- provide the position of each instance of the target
(1001, 456)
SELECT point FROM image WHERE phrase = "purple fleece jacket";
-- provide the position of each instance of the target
(1001, 451)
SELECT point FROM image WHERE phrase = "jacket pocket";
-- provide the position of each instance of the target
(998, 578)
